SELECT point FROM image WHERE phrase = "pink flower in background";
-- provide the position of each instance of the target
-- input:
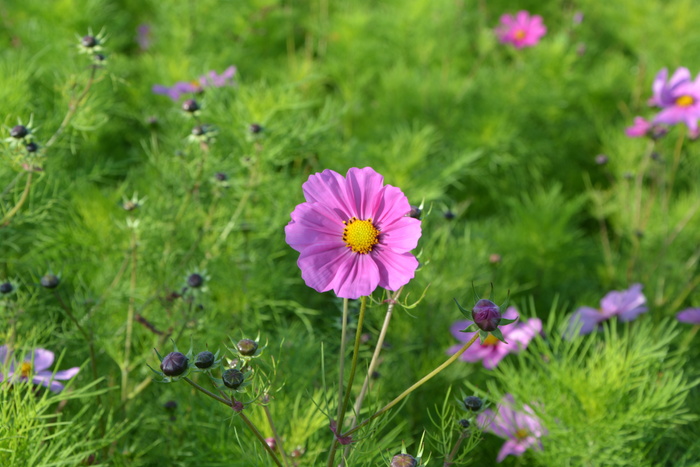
(211, 80)
(353, 234)
(663, 87)
(640, 128)
(492, 351)
(34, 367)
(680, 104)
(521, 430)
(143, 36)
(522, 30)
(690, 316)
(625, 304)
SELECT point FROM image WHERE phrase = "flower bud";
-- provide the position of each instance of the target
(6, 287)
(449, 215)
(256, 128)
(204, 360)
(19, 131)
(464, 423)
(190, 105)
(247, 347)
(199, 130)
(271, 442)
(88, 41)
(404, 460)
(195, 280)
(32, 147)
(473, 403)
(49, 281)
(601, 159)
(233, 378)
(415, 212)
(170, 406)
(174, 364)
(486, 315)
(220, 177)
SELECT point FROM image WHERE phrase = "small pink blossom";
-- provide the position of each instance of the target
(34, 367)
(625, 304)
(663, 87)
(690, 316)
(492, 351)
(521, 30)
(641, 127)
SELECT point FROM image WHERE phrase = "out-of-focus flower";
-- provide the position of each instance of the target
(521, 30)
(578, 18)
(690, 316)
(143, 36)
(663, 88)
(640, 128)
(492, 351)
(681, 104)
(34, 368)
(625, 304)
(521, 430)
(353, 234)
(211, 79)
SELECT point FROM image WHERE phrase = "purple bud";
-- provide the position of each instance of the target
(403, 460)
(256, 128)
(89, 41)
(233, 378)
(174, 364)
(6, 287)
(415, 212)
(31, 147)
(195, 280)
(49, 281)
(247, 347)
(464, 423)
(19, 131)
(204, 360)
(190, 105)
(473, 403)
(220, 177)
(486, 315)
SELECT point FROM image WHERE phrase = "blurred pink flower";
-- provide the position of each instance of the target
(625, 304)
(353, 234)
(492, 351)
(211, 79)
(522, 430)
(34, 367)
(690, 316)
(663, 87)
(640, 128)
(522, 30)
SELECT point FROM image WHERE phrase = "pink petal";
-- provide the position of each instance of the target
(589, 319)
(511, 447)
(45, 380)
(313, 223)
(320, 263)
(66, 374)
(402, 236)
(392, 207)
(357, 277)
(395, 269)
(42, 359)
(329, 189)
(364, 187)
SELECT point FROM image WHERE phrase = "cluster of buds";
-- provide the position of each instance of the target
(92, 45)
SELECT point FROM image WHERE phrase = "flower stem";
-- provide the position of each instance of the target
(448, 460)
(341, 363)
(208, 393)
(353, 368)
(6, 219)
(422, 381)
(278, 440)
(129, 318)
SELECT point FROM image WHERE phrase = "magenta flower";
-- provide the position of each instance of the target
(640, 128)
(690, 316)
(681, 104)
(522, 30)
(521, 430)
(353, 234)
(143, 36)
(210, 80)
(34, 367)
(625, 304)
(663, 88)
(492, 351)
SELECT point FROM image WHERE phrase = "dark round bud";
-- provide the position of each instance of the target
(190, 105)
(473, 403)
(6, 288)
(50, 281)
(170, 406)
(233, 378)
(247, 347)
(195, 280)
(656, 156)
(32, 147)
(204, 360)
(174, 364)
(415, 212)
(100, 57)
(449, 215)
(256, 128)
(601, 159)
(404, 460)
(464, 423)
(199, 130)
(89, 41)
(220, 176)
(486, 315)
(19, 131)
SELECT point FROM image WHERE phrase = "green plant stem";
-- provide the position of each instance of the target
(72, 109)
(341, 363)
(448, 460)
(208, 393)
(278, 440)
(129, 318)
(25, 194)
(353, 368)
(422, 381)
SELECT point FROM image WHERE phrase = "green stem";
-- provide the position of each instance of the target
(208, 393)
(353, 368)
(129, 318)
(448, 460)
(72, 109)
(422, 381)
(278, 440)
(25, 194)
(341, 363)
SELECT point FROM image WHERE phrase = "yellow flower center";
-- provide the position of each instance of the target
(685, 101)
(522, 434)
(360, 236)
(25, 369)
(519, 34)
(491, 340)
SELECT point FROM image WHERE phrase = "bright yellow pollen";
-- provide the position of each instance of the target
(491, 340)
(25, 369)
(522, 433)
(360, 236)
(685, 101)
(519, 34)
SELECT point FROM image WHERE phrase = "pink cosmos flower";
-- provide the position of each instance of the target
(690, 316)
(640, 128)
(625, 304)
(353, 234)
(492, 351)
(663, 87)
(211, 79)
(521, 430)
(522, 30)
(34, 367)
